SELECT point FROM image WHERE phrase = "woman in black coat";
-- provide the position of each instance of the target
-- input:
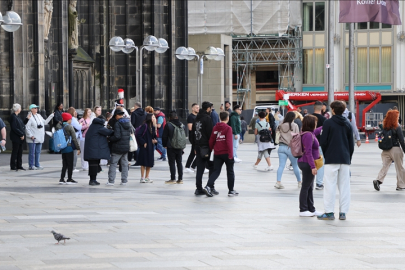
(57, 119)
(96, 147)
(146, 138)
(17, 137)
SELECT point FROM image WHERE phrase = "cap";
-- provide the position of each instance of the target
(66, 117)
(157, 109)
(118, 112)
(32, 106)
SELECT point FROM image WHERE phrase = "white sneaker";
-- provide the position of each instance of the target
(143, 180)
(188, 170)
(270, 168)
(76, 170)
(279, 185)
(147, 180)
(123, 184)
(109, 184)
(317, 213)
(306, 214)
(237, 160)
(300, 184)
(291, 168)
(206, 171)
(254, 166)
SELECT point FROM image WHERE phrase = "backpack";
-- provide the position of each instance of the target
(296, 144)
(265, 134)
(178, 140)
(385, 139)
(59, 140)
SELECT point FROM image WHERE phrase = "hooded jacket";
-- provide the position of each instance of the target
(120, 139)
(202, 128)
(234, 122)
(285, 132)
(138, 117)
(96, 144)
(221, 140)
(337, 140)
(169, 131)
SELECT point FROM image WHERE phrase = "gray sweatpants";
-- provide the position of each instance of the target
(113, 167)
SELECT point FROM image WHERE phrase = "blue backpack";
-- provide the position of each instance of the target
(59, 140)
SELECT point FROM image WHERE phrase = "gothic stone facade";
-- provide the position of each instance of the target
(35, 70)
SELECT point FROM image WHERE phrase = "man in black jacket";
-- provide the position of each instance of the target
(119, 148)
(137, 118)
(200, 135)
(174, 155)
(338, 146)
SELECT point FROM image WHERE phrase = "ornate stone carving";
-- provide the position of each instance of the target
(74, 25)
(48, 17)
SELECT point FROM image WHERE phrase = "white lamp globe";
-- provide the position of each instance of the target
(181, 53)
(11, 21)
(191, 54)
(151, 43)
(129, 46)
(163, 46)
(211, 53)
(116, 44)
(1, 18)
(221, 54)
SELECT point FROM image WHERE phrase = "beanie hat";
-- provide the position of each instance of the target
(66, 117)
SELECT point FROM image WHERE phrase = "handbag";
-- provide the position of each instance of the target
(319, 162)
(205, 152)
(133, 146)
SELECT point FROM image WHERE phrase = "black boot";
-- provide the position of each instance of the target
(93, 183)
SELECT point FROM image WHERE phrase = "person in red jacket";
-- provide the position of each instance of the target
(221, 142)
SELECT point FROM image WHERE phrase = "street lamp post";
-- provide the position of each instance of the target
(150, 43)
(211, 53)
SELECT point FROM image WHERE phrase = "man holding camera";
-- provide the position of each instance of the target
(35, 135)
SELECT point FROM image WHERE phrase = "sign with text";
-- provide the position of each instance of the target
(383, 11)
(282, 103)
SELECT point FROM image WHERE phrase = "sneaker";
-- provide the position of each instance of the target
(207, 191)
(188, 170)
(171, 182)
(62, 182)
(319, 187)
(143, 180)
(279, 185)
(233, 193)
(71, 182)
(33, 168)
(342, 216)
(400, 189)
(290, 168)
(254, 166)
(199, 192)
(76, 170)
(237, 160)
(148, 180)
(206, 171)
(213, 191)
(377, 185)
(306, 214)
(179, 182)
(269, 168)
(40, 168)
(317, 213)
(123, 184)
(327, 216)
(164, 159)
(109, 184)
(300, 184)
(159, 158)
(93, 183)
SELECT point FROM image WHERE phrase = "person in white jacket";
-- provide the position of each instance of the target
(35, 136)
(78, 130)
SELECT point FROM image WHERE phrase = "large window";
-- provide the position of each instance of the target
(362, 65)
(314, 15)
(308, 66)
(369, 25)
(314, 66)
(386, 64)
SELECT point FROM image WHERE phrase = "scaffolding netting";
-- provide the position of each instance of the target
(243, 17)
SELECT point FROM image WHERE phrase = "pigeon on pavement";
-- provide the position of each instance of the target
(59, 237)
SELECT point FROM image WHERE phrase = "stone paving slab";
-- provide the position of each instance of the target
(158, 226)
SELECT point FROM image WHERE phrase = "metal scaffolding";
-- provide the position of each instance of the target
(283, 51)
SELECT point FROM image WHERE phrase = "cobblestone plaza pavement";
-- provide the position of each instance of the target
(158, 226)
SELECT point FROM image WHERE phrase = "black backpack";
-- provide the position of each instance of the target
(386, 139)
(265, 134)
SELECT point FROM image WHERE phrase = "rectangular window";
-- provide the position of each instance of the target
(362, 26)
(319, 66)
(308, 66)
(319, 16)
(386, 64)
(374, 25)
(308, 17)
(347, 25)
(374, 66)
(386, 26)
(347, 63)
(362, 65)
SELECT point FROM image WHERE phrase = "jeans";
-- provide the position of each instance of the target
(175, 156)
(337, 175)
(112, 171)
(74, 159)
(34, 153)
(202, 163)
(235, 145)
(67, 164)
(85, 164)
(191, 158)
(242, 135)
(284, 152)
(219, 160)
(306, 193)
(160, 148)
(16, 156)
(321, 171)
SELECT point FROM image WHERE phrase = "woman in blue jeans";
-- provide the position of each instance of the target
(284, 152)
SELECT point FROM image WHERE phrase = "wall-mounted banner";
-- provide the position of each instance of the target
(383, 11)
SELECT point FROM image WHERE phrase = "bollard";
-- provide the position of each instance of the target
(376, 137)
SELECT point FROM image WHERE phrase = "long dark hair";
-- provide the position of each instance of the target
(57, 106)
(148, 121)
(289, 118)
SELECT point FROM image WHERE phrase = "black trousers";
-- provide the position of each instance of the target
(93, 169)
(67, 162)
(174, 157)
(202, 164)
(191, 161)
(219, 160)
(16, 156)
(306, 194)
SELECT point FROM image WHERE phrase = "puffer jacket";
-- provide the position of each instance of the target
(120, 139)
(285, 132)
(96, 144)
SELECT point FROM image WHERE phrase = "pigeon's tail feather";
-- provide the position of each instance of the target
(66, 238)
